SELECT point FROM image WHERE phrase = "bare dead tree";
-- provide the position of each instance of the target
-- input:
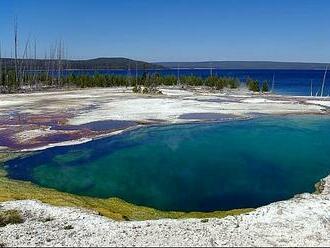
(324, 78)
(66, 59)
(52, 62)
(49, 63)
(311, 87)
(46, 68)
(1, 75)
(5, 83)
(24, 63)
(28, 67)
(129, 83)
(16, 48)
(59, 63)
(34, 64)
(62, 60)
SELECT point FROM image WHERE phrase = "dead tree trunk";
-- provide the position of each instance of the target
(324, 78)
(1, 75)
(16, 50)
(34, 66)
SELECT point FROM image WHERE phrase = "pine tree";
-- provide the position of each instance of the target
(265, 87)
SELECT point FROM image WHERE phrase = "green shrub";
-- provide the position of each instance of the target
(10, 217)
(265, 87)
(135, 89)
(253, 85)
(145, 90)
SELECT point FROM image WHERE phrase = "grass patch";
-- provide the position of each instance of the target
(113, 208)
(8, 156)
(319, 187)
(10, 217)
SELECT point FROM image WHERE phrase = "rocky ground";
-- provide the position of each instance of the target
(301, 221)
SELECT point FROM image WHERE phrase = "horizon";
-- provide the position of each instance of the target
(173, 31)
(200, 61)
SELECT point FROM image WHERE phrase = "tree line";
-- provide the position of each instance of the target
(145, 83)
(148, 82)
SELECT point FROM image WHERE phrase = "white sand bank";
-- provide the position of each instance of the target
(77, 107)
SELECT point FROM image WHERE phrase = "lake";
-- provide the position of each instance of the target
(193, 167)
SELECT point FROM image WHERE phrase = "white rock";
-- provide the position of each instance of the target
(301, 221)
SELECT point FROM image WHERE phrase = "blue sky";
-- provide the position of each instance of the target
(173, 30)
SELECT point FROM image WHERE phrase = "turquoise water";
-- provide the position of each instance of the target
(199, 167)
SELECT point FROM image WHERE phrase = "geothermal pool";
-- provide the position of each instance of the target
(193, 167)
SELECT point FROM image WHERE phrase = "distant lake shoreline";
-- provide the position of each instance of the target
(286, 82)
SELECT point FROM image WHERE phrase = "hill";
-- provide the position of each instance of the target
(89, 64)
(243, 65)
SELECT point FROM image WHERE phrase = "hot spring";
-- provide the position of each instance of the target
(191, 167)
